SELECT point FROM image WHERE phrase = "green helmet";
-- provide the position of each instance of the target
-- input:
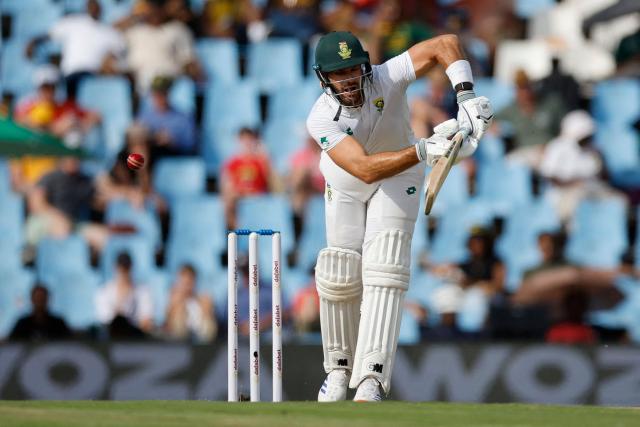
(337, 50)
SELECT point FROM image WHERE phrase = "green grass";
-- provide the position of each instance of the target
(388, 414)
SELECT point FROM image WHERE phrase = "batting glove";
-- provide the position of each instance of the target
(474, 114)
(432, 148)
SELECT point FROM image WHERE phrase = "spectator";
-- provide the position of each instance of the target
(572, 166)
(231, 19)
(173, 51)
(40, 324)
(247, 173)
(189, 315)
(88, 46)
(447, 301)
(559, 84)
(297, 19)
(481, 262)
(179, 10)
(572, 329)
(123, 305)
(551, 247)
(172, 132)
(305, 179)
(41, 111)
(531, 122)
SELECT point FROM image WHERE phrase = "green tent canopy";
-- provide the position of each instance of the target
(17, 141)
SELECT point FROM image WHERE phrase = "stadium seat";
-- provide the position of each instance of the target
(5, 178)
(179, 177)
(15, 287)
(473, 310)
(517, 246)
(503, 186)
(295, 102)
(275, 63)
(10, 256)
(145, 223)
(420, 241)
(140, 250)
(251, 214)
(418, 89)
(500, 93)
(529, 8)
(182, 96)
(35, 19)
(159, 284)
(598, 235)
(409, 330)
(313, 237)
(114, 10)
(616, 101)
(11, 218)
(219, 144)
(111, 97)
(220, 59)
(56, 257)
(234, 104)
(72, 295)
(17, 69)
(450, 239)
(454, 191)
(619, 147)
(282, 139)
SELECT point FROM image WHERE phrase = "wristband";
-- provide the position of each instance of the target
(459, 72)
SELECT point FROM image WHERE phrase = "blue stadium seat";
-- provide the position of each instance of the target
(491, 150)
(251, 214)
(15, 287)
(114, 10)
(619, 147)
(420, 241)
(234, 104)
(625, 314)
(140, 250)
(182, 96)
(199, 218)
(418, 89)
(17, 6)
(17, 69)
(409, 330)
(10, 257)
(220, 59)
(616, 101)
(313, 237)
(294, 102)
(473, 311)
(530, 8)
(500, 93)
(517, 246)
(598, 235)
(11, 218)
(283, 138)
(275, 63)
(219, 144)
(111, 97)
(503, 186)
(454, 191)
(450, 239)
(179, 177)
(72, 297)
(421, 290)
(120, 212)
(35, 19)
(55, 257)
(5, 178)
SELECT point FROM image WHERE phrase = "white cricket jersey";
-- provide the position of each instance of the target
(381, 124)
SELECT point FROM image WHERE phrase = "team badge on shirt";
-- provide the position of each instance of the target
(344, 52)
(379, 103)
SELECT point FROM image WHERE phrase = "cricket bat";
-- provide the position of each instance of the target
(439, 172)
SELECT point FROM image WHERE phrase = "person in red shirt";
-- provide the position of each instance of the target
(247, 173)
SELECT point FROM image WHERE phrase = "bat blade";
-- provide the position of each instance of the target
(438, 174)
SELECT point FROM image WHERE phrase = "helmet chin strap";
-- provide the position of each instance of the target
(327, 87)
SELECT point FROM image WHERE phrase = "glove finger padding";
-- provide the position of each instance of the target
(447, 129)
(476, 114)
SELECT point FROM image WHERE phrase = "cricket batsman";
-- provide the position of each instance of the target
(374, 168)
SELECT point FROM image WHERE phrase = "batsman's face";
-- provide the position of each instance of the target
(347, 84)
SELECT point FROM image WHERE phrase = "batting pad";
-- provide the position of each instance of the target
(386, 279)
(339, 284)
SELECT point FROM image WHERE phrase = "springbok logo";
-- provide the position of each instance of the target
(344, 52)
(379, 103)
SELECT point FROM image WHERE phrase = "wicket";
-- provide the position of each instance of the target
(254, 314)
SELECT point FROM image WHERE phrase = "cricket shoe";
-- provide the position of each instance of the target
(368, 391)
(334, 387)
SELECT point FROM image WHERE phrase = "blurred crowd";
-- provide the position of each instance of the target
(545, 124)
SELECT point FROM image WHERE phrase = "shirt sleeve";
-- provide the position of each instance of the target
(398, 71)
(324, 130)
